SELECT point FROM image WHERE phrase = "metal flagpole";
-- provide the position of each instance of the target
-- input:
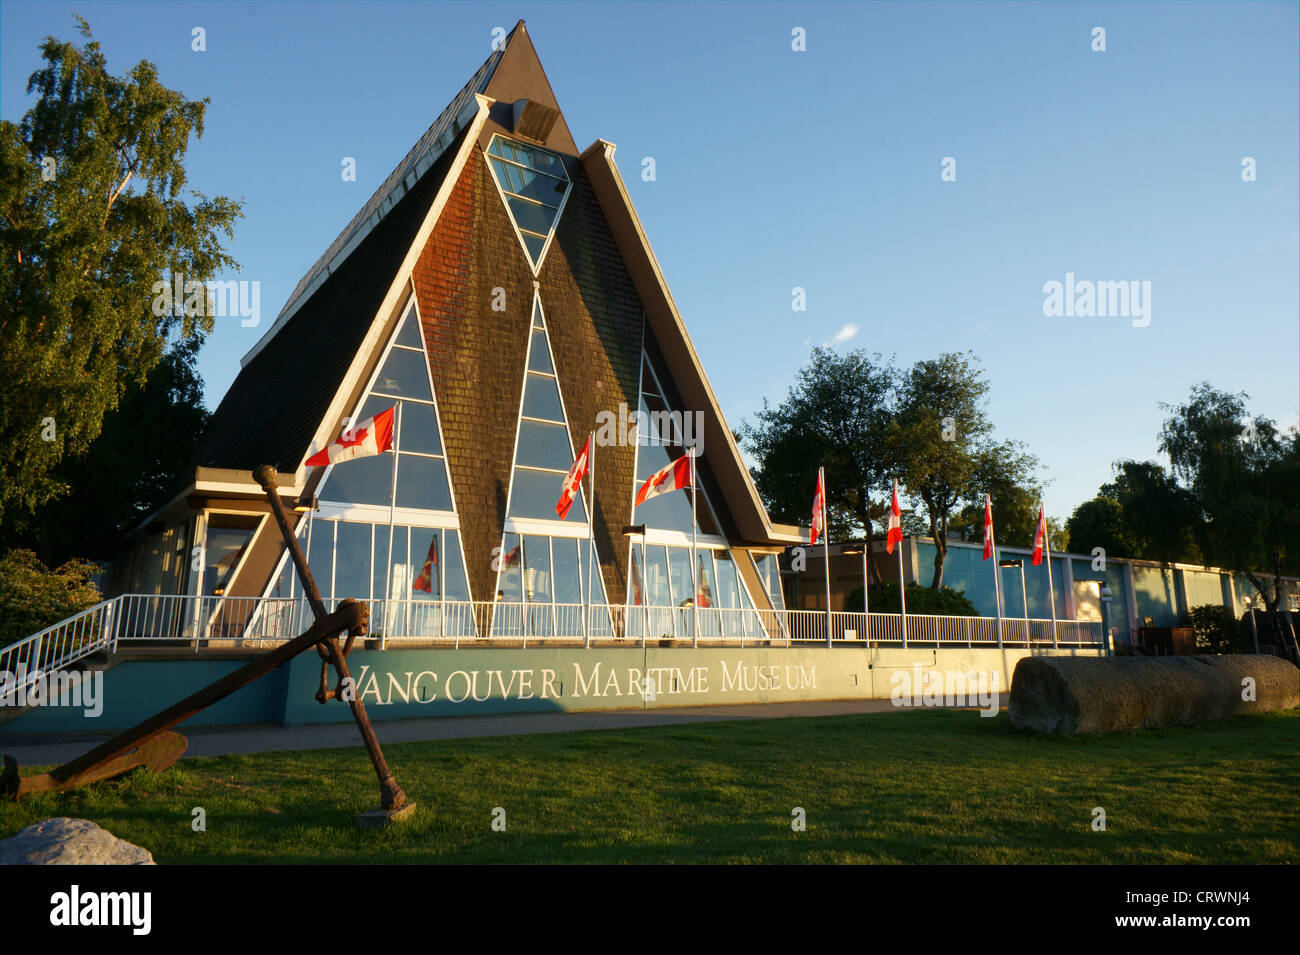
(695, 586)
(902, 593)
(645, 593)
(866, 614)
(1051, 586)
(591, 541)
(392, 505)
(826, 549)
(997, 588)
(1024, 600)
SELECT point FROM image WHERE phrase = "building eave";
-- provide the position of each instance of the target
(675, 342)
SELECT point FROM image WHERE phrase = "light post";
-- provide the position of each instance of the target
(1105, 619)
(1024, 599)
(1249, 601)
(866, 619)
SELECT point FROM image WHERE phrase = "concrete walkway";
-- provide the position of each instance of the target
(267, 738)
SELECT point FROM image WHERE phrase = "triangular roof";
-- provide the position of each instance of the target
(274, 408)
(426, 151)
(290, 393)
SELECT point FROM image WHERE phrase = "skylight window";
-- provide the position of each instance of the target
(535, 185)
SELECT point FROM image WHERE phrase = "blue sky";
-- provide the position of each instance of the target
(818, 169)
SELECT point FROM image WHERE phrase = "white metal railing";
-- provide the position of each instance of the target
(58, 646)
(197, 622)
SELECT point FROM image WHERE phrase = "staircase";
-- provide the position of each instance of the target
(59, 647)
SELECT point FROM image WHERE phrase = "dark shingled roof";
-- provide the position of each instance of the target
(272, 410)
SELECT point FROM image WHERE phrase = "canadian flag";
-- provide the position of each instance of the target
(895, 523)
(425, 580)
(819, 510)
(370, 437)
(1040, 535)
(673, 477)
(511, 557)
(573, 480)
(988, 527)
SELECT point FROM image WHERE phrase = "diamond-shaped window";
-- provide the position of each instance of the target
(535, 185)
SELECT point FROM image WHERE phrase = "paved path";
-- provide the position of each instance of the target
(265, 738)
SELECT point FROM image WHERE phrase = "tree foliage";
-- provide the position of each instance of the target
(944, 602)
(941, 437)
(1218, 630)
(1100, 523)
(94, 211)
(868, 423)
(32, 597)
(837, 415)
(144, 447)
(1240, 477)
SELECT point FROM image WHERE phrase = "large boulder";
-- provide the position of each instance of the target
(65, 841)
(1103, 695)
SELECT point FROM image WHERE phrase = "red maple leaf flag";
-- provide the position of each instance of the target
(818, 510)
(573, 480)
(370, 437)
(672, 477)
(988, 527)
(895, 523)
(425, 580)
(1040, 535)
(511, 557)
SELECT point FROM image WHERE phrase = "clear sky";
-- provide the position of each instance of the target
(819, 169)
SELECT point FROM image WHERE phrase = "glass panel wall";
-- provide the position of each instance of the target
(405, 585)
(540, 585)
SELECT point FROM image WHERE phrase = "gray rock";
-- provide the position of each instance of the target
(65, 841)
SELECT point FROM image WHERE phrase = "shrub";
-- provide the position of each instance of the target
(33, 597)
(920, 600)
(1219, 631)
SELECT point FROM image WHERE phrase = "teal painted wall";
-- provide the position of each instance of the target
(1114, 576)
(1155, 589)
(1202, 588)
(137, 689)
(401, 684)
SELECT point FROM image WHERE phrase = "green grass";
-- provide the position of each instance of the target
(928, 786)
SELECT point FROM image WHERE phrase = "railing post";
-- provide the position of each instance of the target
(109, 636)
(198, 616)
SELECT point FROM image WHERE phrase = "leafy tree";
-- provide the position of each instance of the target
(1241, 478)
(33, 597)
(94, 211)
(942, 438)
(837, 415)
(1155, 511)
(136, 461)
(1099, 523)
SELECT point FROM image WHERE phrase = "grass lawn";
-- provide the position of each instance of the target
(921, 786)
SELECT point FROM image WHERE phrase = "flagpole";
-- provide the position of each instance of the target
(1051, 587)
(392, 506)
(826, 549)
(1024, 600)
(695, 586)
(997, 587)
(591, 541)
(866, 614)
(902, 593)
